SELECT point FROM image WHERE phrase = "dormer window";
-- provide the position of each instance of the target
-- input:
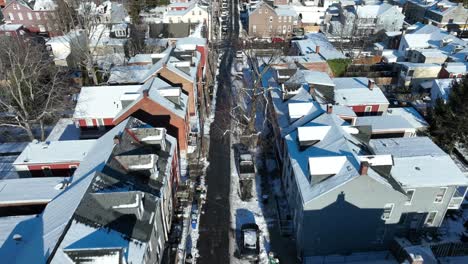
(309, 136)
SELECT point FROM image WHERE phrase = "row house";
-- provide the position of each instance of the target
(40, 20)
(52, 158)
(387, 126)
(267, 21)
(192, 13)
(99, 108)
(361, 20)
(339, 184)
(12, 30)
(440, 13)
(119, 204)
(360, 94)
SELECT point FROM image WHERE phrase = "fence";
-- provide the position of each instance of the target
(451, 249)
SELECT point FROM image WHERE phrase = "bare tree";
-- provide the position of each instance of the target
(32, 89)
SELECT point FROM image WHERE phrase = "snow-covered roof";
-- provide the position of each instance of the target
(443, 87)
(7, 170)
(30, 190)
(336, 144)
(55, 152)
(372, 11)
(153, 86)
(411, 115)
(11, 148)
(327, 50)
(11, 225)
(430, 36)
(285, 10)
(310, 77)
(44, 232)
(413, 65)
(355, 91)
(81, 236)
(384, 123)
(419, 162)
(65, 129)
(101, 101)
(127, 74)
(457, 67)
(44, 5)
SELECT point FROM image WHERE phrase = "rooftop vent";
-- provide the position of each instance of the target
(309, 136)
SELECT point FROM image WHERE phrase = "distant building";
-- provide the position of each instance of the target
(68, 50)
(363, 20)
(37, 19)
(268, 22)
(415, 75)
(13, 30)
(192, 13)
(440, 13)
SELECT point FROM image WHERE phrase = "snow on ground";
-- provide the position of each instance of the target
(191, 240)
(452, 226)
(243, 212)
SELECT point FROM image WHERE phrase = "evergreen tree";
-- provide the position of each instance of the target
(449, 122)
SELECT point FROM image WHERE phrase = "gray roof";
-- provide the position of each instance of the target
(419, 162)
(384, 122)
(30, 190)
(355, 91)
(52, 223)
(153, 86)
(336, 143)
(310, 77)
(55, 152)
(128, 74)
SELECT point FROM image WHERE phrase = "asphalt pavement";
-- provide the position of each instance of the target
(213, 243)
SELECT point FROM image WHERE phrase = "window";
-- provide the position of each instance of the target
(20, 15)
(289, 28)
(368, 108)
(38, 16)
(193, 13)
(431, 218)
(30, 16)
(12, 17)
(254, 28)
(279, 29)
(199, 12)
(409, 195)
(47, 172)
(388, 208)
(72, 169)
(280, 19)
(410, 73)
(271, 19)
(289, 19)
(266, 11)
(440, 195)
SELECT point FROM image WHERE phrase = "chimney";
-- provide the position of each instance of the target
(364, 168)
(415, 259)
(370, 84)
(317, 49)
(145, 93)
(329, 108)
(173, 44)
(116, 139)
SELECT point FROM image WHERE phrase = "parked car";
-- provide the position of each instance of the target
(224, 6)
(239, 54)
(250, 241)
(277, 40)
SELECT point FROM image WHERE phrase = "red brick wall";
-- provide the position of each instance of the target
(57, 170)
(154, 109)
(31, 20)
(361, 110)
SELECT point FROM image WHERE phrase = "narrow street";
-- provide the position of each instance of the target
(213, 243)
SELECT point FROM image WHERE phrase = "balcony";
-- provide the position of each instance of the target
(457, 198)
